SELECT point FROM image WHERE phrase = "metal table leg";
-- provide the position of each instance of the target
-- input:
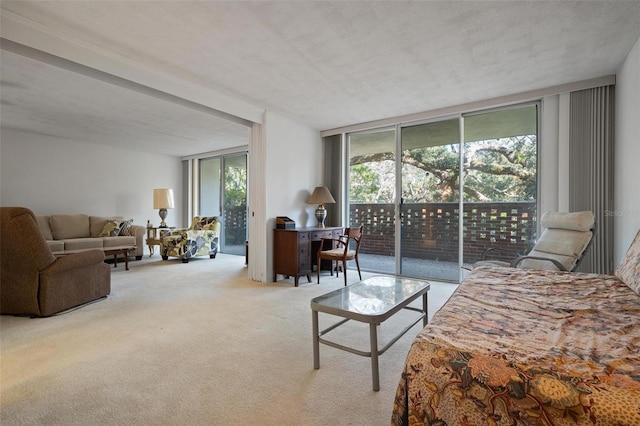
(316, 340)
(373, 335)
(425, 308)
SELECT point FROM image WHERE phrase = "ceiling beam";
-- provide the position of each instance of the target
(49, 43)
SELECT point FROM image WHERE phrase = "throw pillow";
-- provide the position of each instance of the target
(629, 269)
(110, 229)
(125, 227)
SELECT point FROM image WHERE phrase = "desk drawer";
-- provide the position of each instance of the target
(318, 235)
(303, 237)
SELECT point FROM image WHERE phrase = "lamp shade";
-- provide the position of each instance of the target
(321, 195)
(163, 198)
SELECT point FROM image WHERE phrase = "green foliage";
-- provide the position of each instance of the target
(493, 170)
(235, 187)
(367, 180)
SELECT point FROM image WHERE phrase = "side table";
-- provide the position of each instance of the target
(153, 239)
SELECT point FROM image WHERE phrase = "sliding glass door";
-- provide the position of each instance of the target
(448, 195)
(372, 194)
(223, 193)
(430, 200)
(500, 180)
(235, 204)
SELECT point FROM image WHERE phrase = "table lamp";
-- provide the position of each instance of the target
(321, 195)
(163, 200)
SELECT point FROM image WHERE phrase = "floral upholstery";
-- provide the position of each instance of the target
(524, 347)
(200, 239)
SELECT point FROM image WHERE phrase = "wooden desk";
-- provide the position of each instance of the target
(295, 250)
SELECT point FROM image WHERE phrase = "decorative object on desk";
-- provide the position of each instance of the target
(321, 195)
(283, 222)
(163, 200)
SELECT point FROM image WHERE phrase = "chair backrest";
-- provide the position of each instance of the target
(206, 222)
(23, 254)
(354, 234)
(565, 239)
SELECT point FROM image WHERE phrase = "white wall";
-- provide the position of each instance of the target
(293, 168)
(53, 175)
(627, 153)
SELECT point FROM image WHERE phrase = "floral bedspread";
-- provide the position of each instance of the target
(518, 347)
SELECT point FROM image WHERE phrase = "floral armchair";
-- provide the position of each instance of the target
(200, 239)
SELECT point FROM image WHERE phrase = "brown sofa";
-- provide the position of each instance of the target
(64, 232)
(33, 281)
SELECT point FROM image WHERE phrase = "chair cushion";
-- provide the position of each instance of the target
(629, 269)
(337, 254)
(576, 221)
(569, 262)
(491, 263)
(563, 242)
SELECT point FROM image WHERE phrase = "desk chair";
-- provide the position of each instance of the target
(342, 251)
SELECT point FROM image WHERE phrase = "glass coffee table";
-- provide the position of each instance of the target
(371, 301)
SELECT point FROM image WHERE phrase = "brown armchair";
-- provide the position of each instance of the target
(344, 251)
(33, 281)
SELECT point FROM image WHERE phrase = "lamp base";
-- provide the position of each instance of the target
(163, 216)
(321, 215)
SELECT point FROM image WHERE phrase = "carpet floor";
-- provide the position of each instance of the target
(197, 344)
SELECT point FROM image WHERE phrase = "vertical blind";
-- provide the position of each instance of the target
(333, 177)
(591, 132)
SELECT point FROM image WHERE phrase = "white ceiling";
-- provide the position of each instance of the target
(326, 64)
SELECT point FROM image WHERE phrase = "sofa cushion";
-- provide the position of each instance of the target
(45, 228)
(56, 246)
(111, 228)
(629, 269)
(82, 243)
(66, 226)
(118, 241)
(96, 223)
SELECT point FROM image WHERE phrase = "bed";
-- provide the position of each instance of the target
(523, 347)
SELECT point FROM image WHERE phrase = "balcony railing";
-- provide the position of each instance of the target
(430, 230)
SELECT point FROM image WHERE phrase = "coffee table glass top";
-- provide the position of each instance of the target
(374, 296)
